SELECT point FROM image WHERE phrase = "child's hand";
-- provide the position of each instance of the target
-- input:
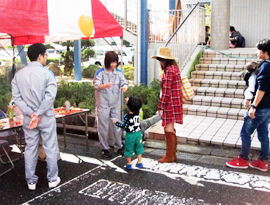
(114, 120)
(126, 99)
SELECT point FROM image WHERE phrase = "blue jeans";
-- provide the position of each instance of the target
(260, 122)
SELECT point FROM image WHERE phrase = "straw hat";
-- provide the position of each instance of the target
(164, 52)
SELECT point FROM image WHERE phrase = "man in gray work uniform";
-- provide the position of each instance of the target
(109, 83)
(34, 89)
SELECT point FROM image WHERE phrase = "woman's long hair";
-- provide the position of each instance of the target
(166, 63)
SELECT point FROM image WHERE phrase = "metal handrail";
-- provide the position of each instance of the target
(181, 24)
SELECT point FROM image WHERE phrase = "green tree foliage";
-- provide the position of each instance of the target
(208, 15)
(126, 43)
(53, 60)
(68, 56)
(87, 53)
(148, 95)
(90, 71)
(48, 46)
(87, 43)
(5, 93)
(68, 61)
(129, 72)
(78, 94)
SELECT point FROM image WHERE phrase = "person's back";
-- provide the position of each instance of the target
(34, 90)
(34, 85)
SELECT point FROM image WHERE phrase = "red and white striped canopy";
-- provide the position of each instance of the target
(42, 21)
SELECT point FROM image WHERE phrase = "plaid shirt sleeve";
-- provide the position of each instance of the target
(166, 85)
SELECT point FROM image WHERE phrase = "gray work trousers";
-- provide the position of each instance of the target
(47, 130)
(104, 120)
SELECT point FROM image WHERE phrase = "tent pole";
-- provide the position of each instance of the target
(77, 60)
(13, 70)
(122, 95)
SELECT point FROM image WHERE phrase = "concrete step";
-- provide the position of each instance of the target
(216, 112)
(217, 83)
(220, 67)
(219, 92)
(230, 61)
(198, 130)
(212, 54)
(223, 75)
(217, 101)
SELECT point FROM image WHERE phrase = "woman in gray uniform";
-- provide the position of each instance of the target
(109, 83)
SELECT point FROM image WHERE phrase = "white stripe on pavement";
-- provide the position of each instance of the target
(125, 194)
(195, 175)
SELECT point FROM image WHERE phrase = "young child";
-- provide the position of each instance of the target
(131, 124)
(250, 79)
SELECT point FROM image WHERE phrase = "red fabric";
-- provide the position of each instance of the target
(28, 40)
(30, 19)
(24, 17)
(171, 99)
(105, 24)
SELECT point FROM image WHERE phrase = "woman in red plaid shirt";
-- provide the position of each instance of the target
(170, 104)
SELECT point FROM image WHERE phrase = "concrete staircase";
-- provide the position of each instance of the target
(215, 115)
(219, 86)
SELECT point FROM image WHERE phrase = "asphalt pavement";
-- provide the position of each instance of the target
(199, 176)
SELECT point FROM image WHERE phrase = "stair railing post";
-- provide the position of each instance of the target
(181, 24)
(125, 23)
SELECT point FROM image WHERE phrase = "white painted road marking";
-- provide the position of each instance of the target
(77, 158)
(125, 194)
(57, 190)
(196, 175)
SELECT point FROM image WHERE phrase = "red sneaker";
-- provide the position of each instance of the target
(260, 165)
(238, 163)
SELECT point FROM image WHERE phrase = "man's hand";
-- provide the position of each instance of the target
(251, 113)
(35, 120)
(247, 103)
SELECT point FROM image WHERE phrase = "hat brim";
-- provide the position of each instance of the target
(164, 57)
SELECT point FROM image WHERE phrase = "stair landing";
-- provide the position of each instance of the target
(198, 130)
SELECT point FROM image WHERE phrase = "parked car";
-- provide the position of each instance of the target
(54, 53)
(100, 52)
(129, 52)
(5, 56)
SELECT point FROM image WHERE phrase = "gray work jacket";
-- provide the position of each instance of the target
(109, 97)
(34, 89)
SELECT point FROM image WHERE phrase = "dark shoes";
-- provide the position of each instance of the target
(106, 154)
(120, 151)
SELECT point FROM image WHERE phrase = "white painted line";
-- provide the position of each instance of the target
(76, 159)
(125, 194)
(69, 158)
(195, 175)
(58, 188)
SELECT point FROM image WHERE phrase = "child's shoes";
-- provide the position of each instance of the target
(129, 166)
(139, 165)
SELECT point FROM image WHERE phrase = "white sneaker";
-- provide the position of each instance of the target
(54, 183)
(32, 186)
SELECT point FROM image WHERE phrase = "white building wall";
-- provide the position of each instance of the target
(252, 19)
